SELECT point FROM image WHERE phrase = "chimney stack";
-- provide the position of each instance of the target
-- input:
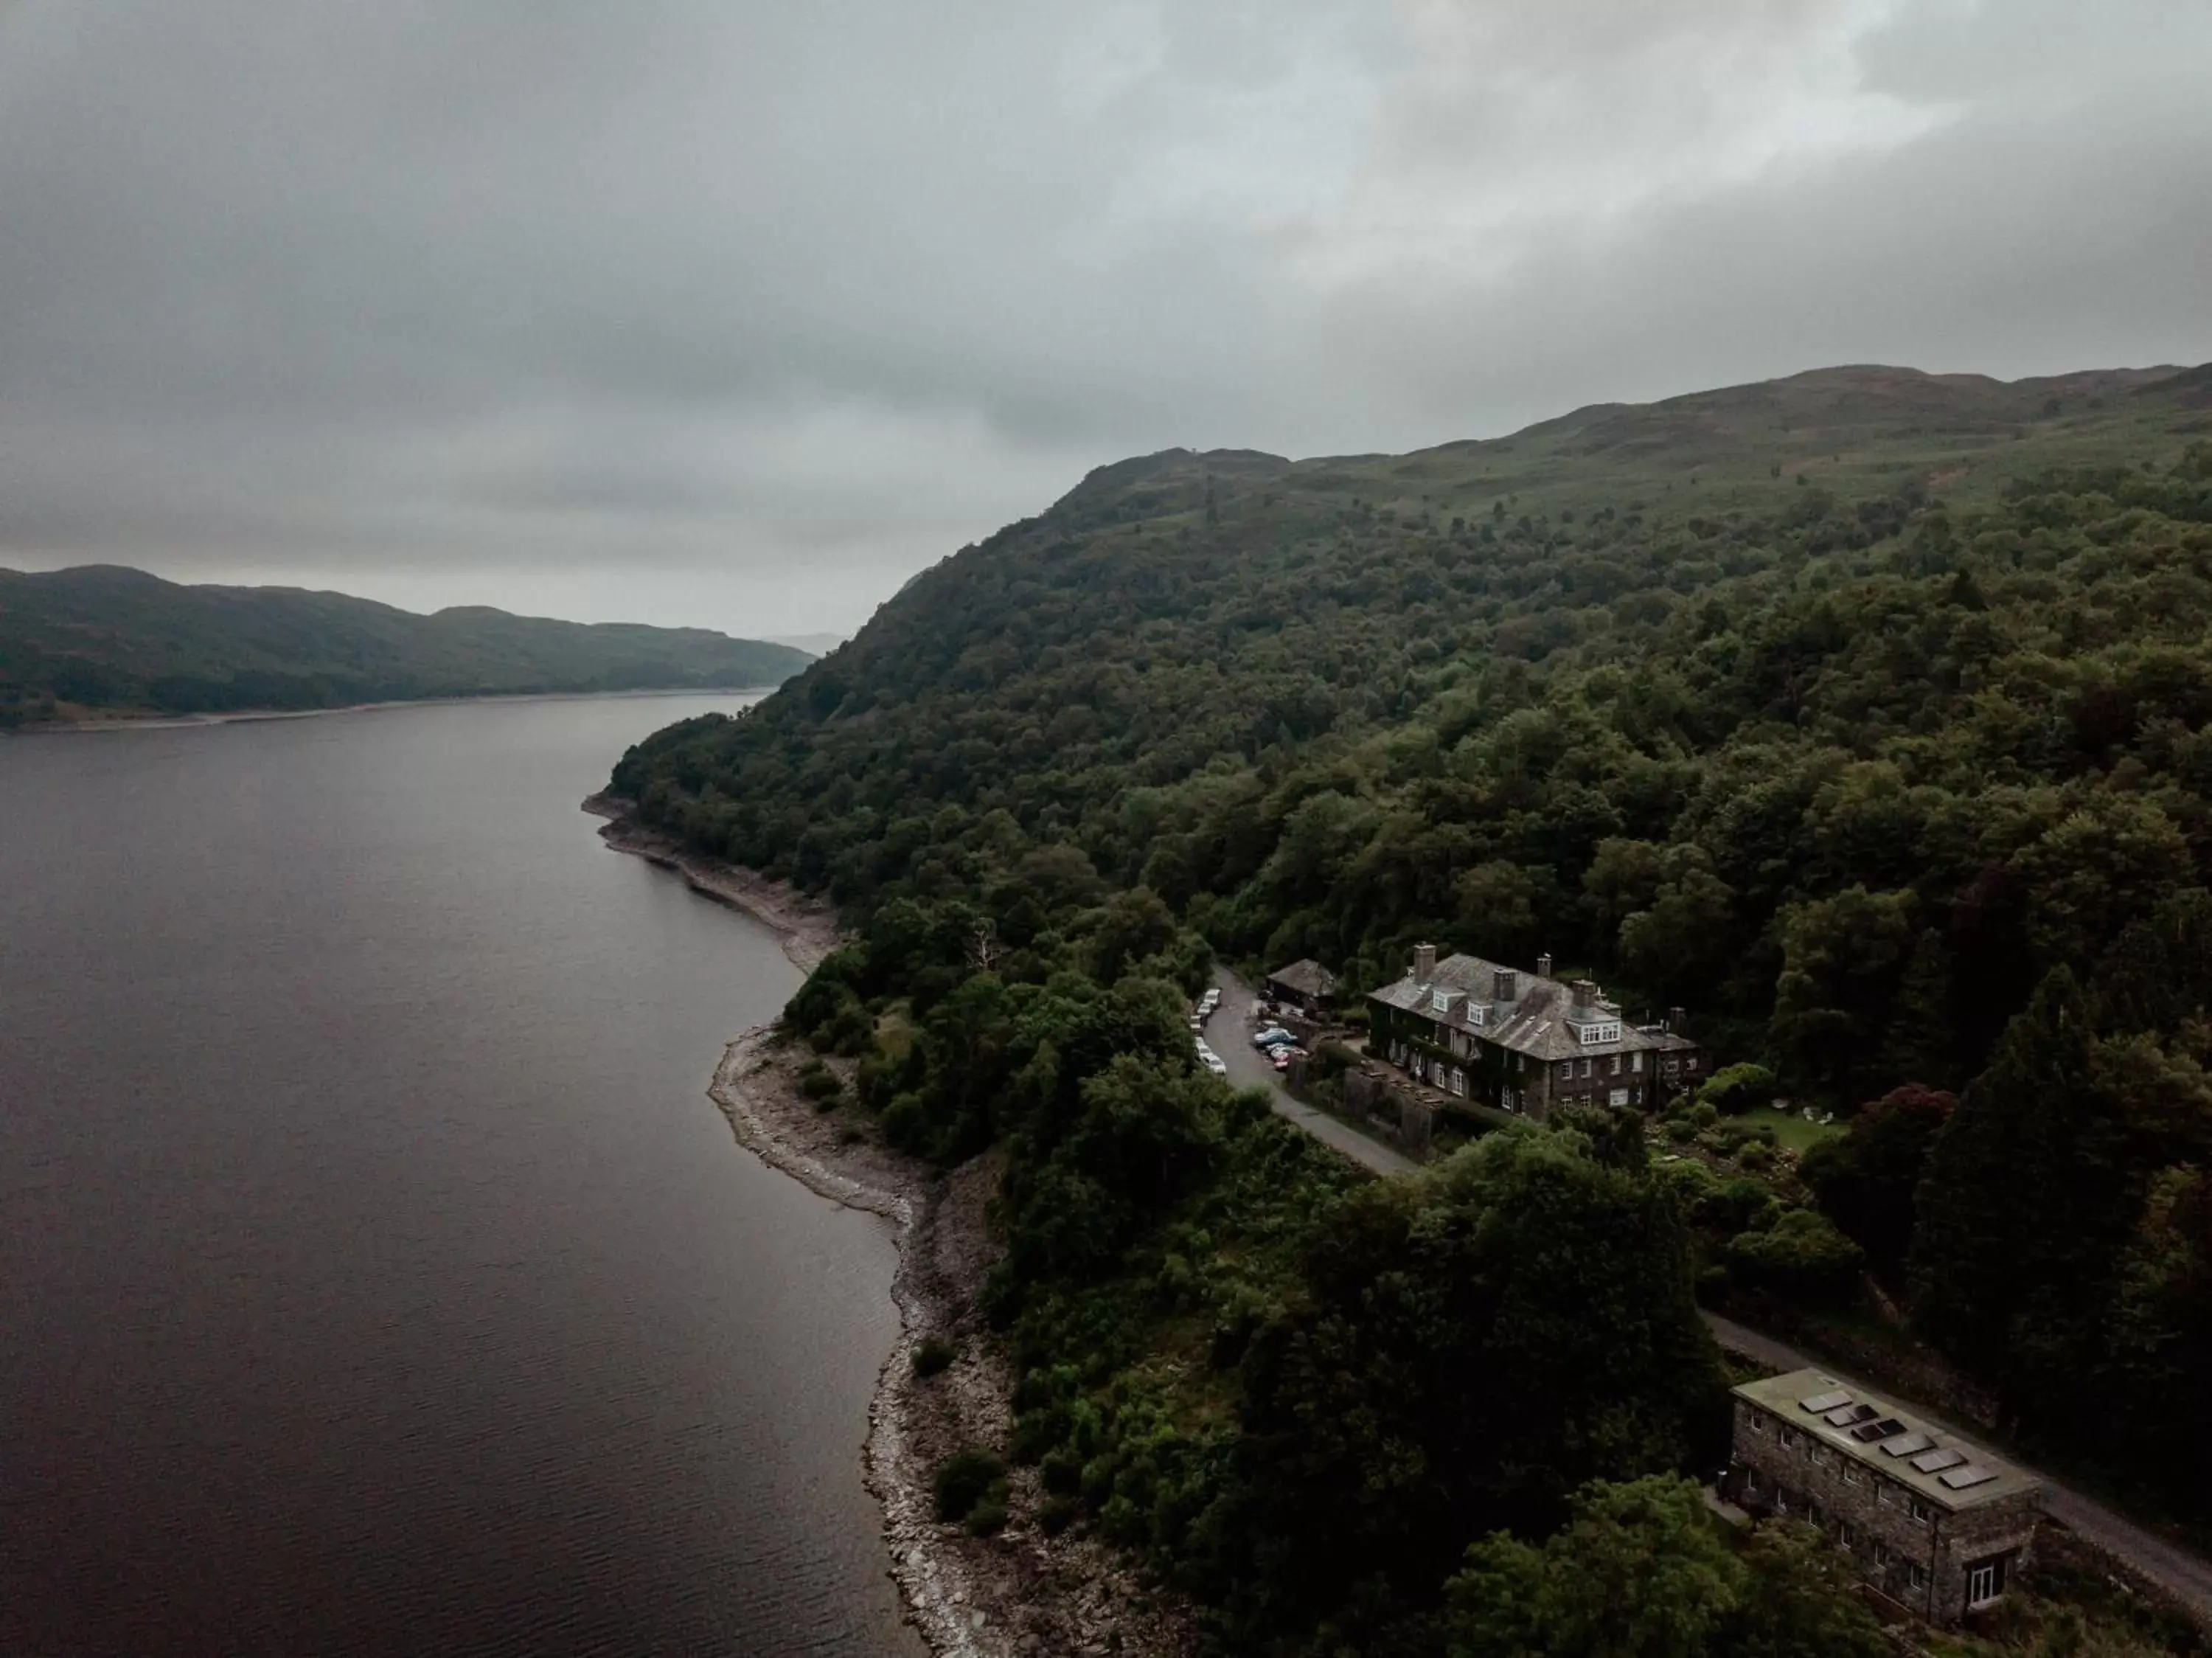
(1505, 986)
(1674, 1021)
(1544, 965)
(1424, 963)
(1585, 992)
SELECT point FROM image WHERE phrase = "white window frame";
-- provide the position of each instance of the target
(1985, 1582)
(1592, 1035)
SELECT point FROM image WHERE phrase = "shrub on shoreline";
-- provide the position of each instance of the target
(933, 1353)
(964, 1479)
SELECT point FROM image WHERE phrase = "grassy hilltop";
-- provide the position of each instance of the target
(111, 640)
(1866, 714)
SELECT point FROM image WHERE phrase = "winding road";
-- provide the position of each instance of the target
(2186, 1576)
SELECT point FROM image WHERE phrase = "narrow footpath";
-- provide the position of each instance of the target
(2186, 1576)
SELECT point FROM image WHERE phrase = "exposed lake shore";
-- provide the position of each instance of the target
(806, 926)
(1021, 1591)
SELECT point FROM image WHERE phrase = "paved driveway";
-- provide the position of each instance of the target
(1229, 1033)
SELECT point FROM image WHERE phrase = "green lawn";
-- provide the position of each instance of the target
(1795, 1133)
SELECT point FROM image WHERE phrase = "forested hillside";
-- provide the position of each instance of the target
(109, 639)
(1863, 714)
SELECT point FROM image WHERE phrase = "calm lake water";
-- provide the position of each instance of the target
(376, 1277)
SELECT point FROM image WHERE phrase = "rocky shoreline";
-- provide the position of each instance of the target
(1021, 1591)
(807, 927)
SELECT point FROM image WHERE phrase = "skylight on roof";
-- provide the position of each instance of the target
(1912, 1445)
(1973, 1474)
(1821, 1404)
(1931, 1462)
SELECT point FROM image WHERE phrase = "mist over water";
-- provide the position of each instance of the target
(374, 1276)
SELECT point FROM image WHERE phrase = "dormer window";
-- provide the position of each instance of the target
(1591, 1035)
(1477, 1015)
(1440, 1000)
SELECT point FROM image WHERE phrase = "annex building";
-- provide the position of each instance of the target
(1523, 1041)
(1937, 1525)
(1306, 985)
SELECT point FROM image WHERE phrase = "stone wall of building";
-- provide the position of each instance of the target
(1374, 1096)
(1912, 1549)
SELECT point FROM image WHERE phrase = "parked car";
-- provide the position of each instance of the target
(1209, 1002)
(1272, 1035)
(1283, 1055)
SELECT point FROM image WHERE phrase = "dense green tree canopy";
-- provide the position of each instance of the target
(1640, 1572)
(1900, 782)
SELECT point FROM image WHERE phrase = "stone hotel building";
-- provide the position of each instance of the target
(1522, 1041)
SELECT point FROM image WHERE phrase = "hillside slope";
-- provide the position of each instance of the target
(1463, 671)
(1866, 714)
(104, 637)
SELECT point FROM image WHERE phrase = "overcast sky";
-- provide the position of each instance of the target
(739, 311)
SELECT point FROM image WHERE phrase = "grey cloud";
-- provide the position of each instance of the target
(642, 309)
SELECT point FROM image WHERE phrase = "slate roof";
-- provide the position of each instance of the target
(1307, 977)
(1930, 1462)
(1535, 1022)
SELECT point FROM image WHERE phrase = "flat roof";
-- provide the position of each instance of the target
(1930, 1461)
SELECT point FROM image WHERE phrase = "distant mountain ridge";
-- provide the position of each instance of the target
(814, 644)
(1848, 427)
(111, 639)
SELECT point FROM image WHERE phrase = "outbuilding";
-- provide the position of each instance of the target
(1306, 985)
(1935, 1524)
